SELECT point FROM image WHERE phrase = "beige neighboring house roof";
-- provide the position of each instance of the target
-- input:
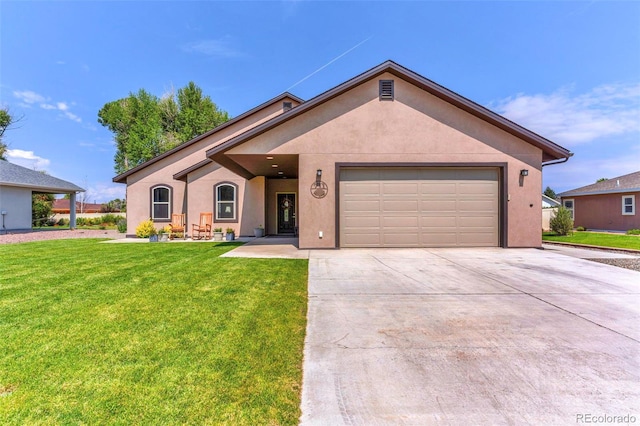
(625, 183)
(551, 151)
(15, 175)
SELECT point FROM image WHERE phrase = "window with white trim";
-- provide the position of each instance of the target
(628, 205)
(161, 203)
(226, 195)
(569, 205)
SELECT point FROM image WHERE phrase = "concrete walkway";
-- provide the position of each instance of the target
(469, 336)
(269, 247)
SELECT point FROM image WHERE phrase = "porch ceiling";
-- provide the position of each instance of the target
(263, 164)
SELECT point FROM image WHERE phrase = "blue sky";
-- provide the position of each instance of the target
(567, 70)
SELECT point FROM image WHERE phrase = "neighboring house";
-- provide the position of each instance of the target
(61, 206)
(17, 185)
(386, 159)
(548, 202)
(606, 205)
(549, 209)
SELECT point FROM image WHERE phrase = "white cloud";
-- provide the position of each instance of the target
(102, 192)
(27, 159)
(221, 48)
(573, 119)
(29, 97)
(72, 116)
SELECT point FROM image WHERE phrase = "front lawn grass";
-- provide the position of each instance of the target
(148, 334)
(596, 239)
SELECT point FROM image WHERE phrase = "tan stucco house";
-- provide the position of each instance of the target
(385, 159)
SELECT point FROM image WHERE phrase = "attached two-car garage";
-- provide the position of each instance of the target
(419, 207)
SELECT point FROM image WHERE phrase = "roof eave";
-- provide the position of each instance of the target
(603, 192)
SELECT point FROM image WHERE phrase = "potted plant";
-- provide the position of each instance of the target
(231, 234)
(153, 235)
(217, 234)
(258, 232)
(163, 234)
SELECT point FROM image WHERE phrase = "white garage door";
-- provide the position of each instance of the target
(419, 207)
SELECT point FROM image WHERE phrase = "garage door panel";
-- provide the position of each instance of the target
(408, 207)
(362, 222)
(476, 221)
(486, 188)
(434, 188)
(400, 206)
(438, 221)
(355, 189)
(401, 239)
(439, 239)
(362, 240)
(399, 189)
(476, 206)
(362, 206)
(438, 206)
(400, 222)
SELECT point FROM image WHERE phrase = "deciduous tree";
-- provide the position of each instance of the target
(145, 126)
(6, 121)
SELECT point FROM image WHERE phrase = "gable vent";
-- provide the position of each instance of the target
(286, 106)
(386, 90)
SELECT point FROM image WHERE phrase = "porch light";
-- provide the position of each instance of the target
(524, 172)
(318, 176)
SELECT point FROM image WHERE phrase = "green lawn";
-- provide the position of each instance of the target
(597, 239)
(148, 334)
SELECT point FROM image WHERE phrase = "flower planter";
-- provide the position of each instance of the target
(217, 236)
(230, 236)
(153, 238)
(258, 232)
(163, 238)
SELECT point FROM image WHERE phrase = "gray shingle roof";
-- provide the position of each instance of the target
(14, 175)
(625, 183)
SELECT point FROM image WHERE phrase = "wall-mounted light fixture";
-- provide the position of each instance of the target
(524, 172)
(318, 176)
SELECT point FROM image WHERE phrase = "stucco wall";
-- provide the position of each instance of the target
(604, 212)
(17, 203)
(547, 215)
(415, 128)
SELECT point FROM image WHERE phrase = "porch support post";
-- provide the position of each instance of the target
(72, 211)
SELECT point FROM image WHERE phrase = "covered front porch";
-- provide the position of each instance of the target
(281, 187)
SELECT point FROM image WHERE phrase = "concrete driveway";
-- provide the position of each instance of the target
(469, 337)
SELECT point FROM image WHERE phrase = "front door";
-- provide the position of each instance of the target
(286, 213)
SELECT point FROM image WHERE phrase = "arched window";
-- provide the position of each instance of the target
(226, 195)
(161, 202)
